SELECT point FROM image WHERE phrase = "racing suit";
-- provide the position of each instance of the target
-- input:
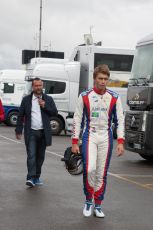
(95, 112)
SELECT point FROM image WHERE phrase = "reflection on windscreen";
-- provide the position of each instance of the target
(49, 87)
(28, 88)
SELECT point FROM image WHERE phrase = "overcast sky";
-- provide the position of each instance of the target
(117, 23)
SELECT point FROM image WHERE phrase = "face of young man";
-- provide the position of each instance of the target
(37, 87)
(101, 81)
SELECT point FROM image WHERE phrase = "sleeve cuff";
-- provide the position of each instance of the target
(74, 140)
(120, 141)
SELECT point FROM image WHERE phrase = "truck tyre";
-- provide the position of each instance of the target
(56, 125)
(12, 118)
(148, 158)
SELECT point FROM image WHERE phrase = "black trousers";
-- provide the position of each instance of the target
(35, 153)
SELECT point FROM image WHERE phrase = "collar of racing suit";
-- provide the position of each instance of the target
(98, 91)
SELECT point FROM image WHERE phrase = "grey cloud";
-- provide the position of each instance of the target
(117, 23)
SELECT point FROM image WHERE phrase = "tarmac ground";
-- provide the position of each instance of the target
(58, 204)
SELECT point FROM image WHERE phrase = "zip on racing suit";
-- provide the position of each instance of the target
(95, 112)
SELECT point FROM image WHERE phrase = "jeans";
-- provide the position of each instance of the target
(35, 153)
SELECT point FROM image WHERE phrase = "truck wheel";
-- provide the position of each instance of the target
(148, 158)
(56, 125)
(12, 118)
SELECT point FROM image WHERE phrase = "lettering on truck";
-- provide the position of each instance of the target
(136, 102)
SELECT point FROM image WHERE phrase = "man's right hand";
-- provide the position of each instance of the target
(75, 148)
(18, 136)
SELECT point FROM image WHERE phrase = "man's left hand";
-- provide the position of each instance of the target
(119, 149)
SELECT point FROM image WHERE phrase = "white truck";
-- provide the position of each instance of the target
(61, 81)
(139, 118)
(12, 87)
(65, 79)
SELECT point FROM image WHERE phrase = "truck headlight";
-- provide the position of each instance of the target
(144, 121)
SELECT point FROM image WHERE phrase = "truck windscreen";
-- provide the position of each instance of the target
(143, 62)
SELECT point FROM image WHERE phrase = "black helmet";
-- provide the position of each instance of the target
(73, 161)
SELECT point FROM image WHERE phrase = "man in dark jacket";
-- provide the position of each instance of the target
(34, 115)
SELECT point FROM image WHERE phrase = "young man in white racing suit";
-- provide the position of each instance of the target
(95, 109)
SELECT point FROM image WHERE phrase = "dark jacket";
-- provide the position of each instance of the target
(1, 112)
(24, 117)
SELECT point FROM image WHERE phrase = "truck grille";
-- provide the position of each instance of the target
(134, 141)
(135, 137)
(133, 121)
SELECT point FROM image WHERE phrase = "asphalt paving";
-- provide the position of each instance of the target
(59, 202)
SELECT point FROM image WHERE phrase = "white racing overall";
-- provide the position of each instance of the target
(95, 112)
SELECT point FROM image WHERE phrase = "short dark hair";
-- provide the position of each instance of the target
(35, 79)
(101, 69)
